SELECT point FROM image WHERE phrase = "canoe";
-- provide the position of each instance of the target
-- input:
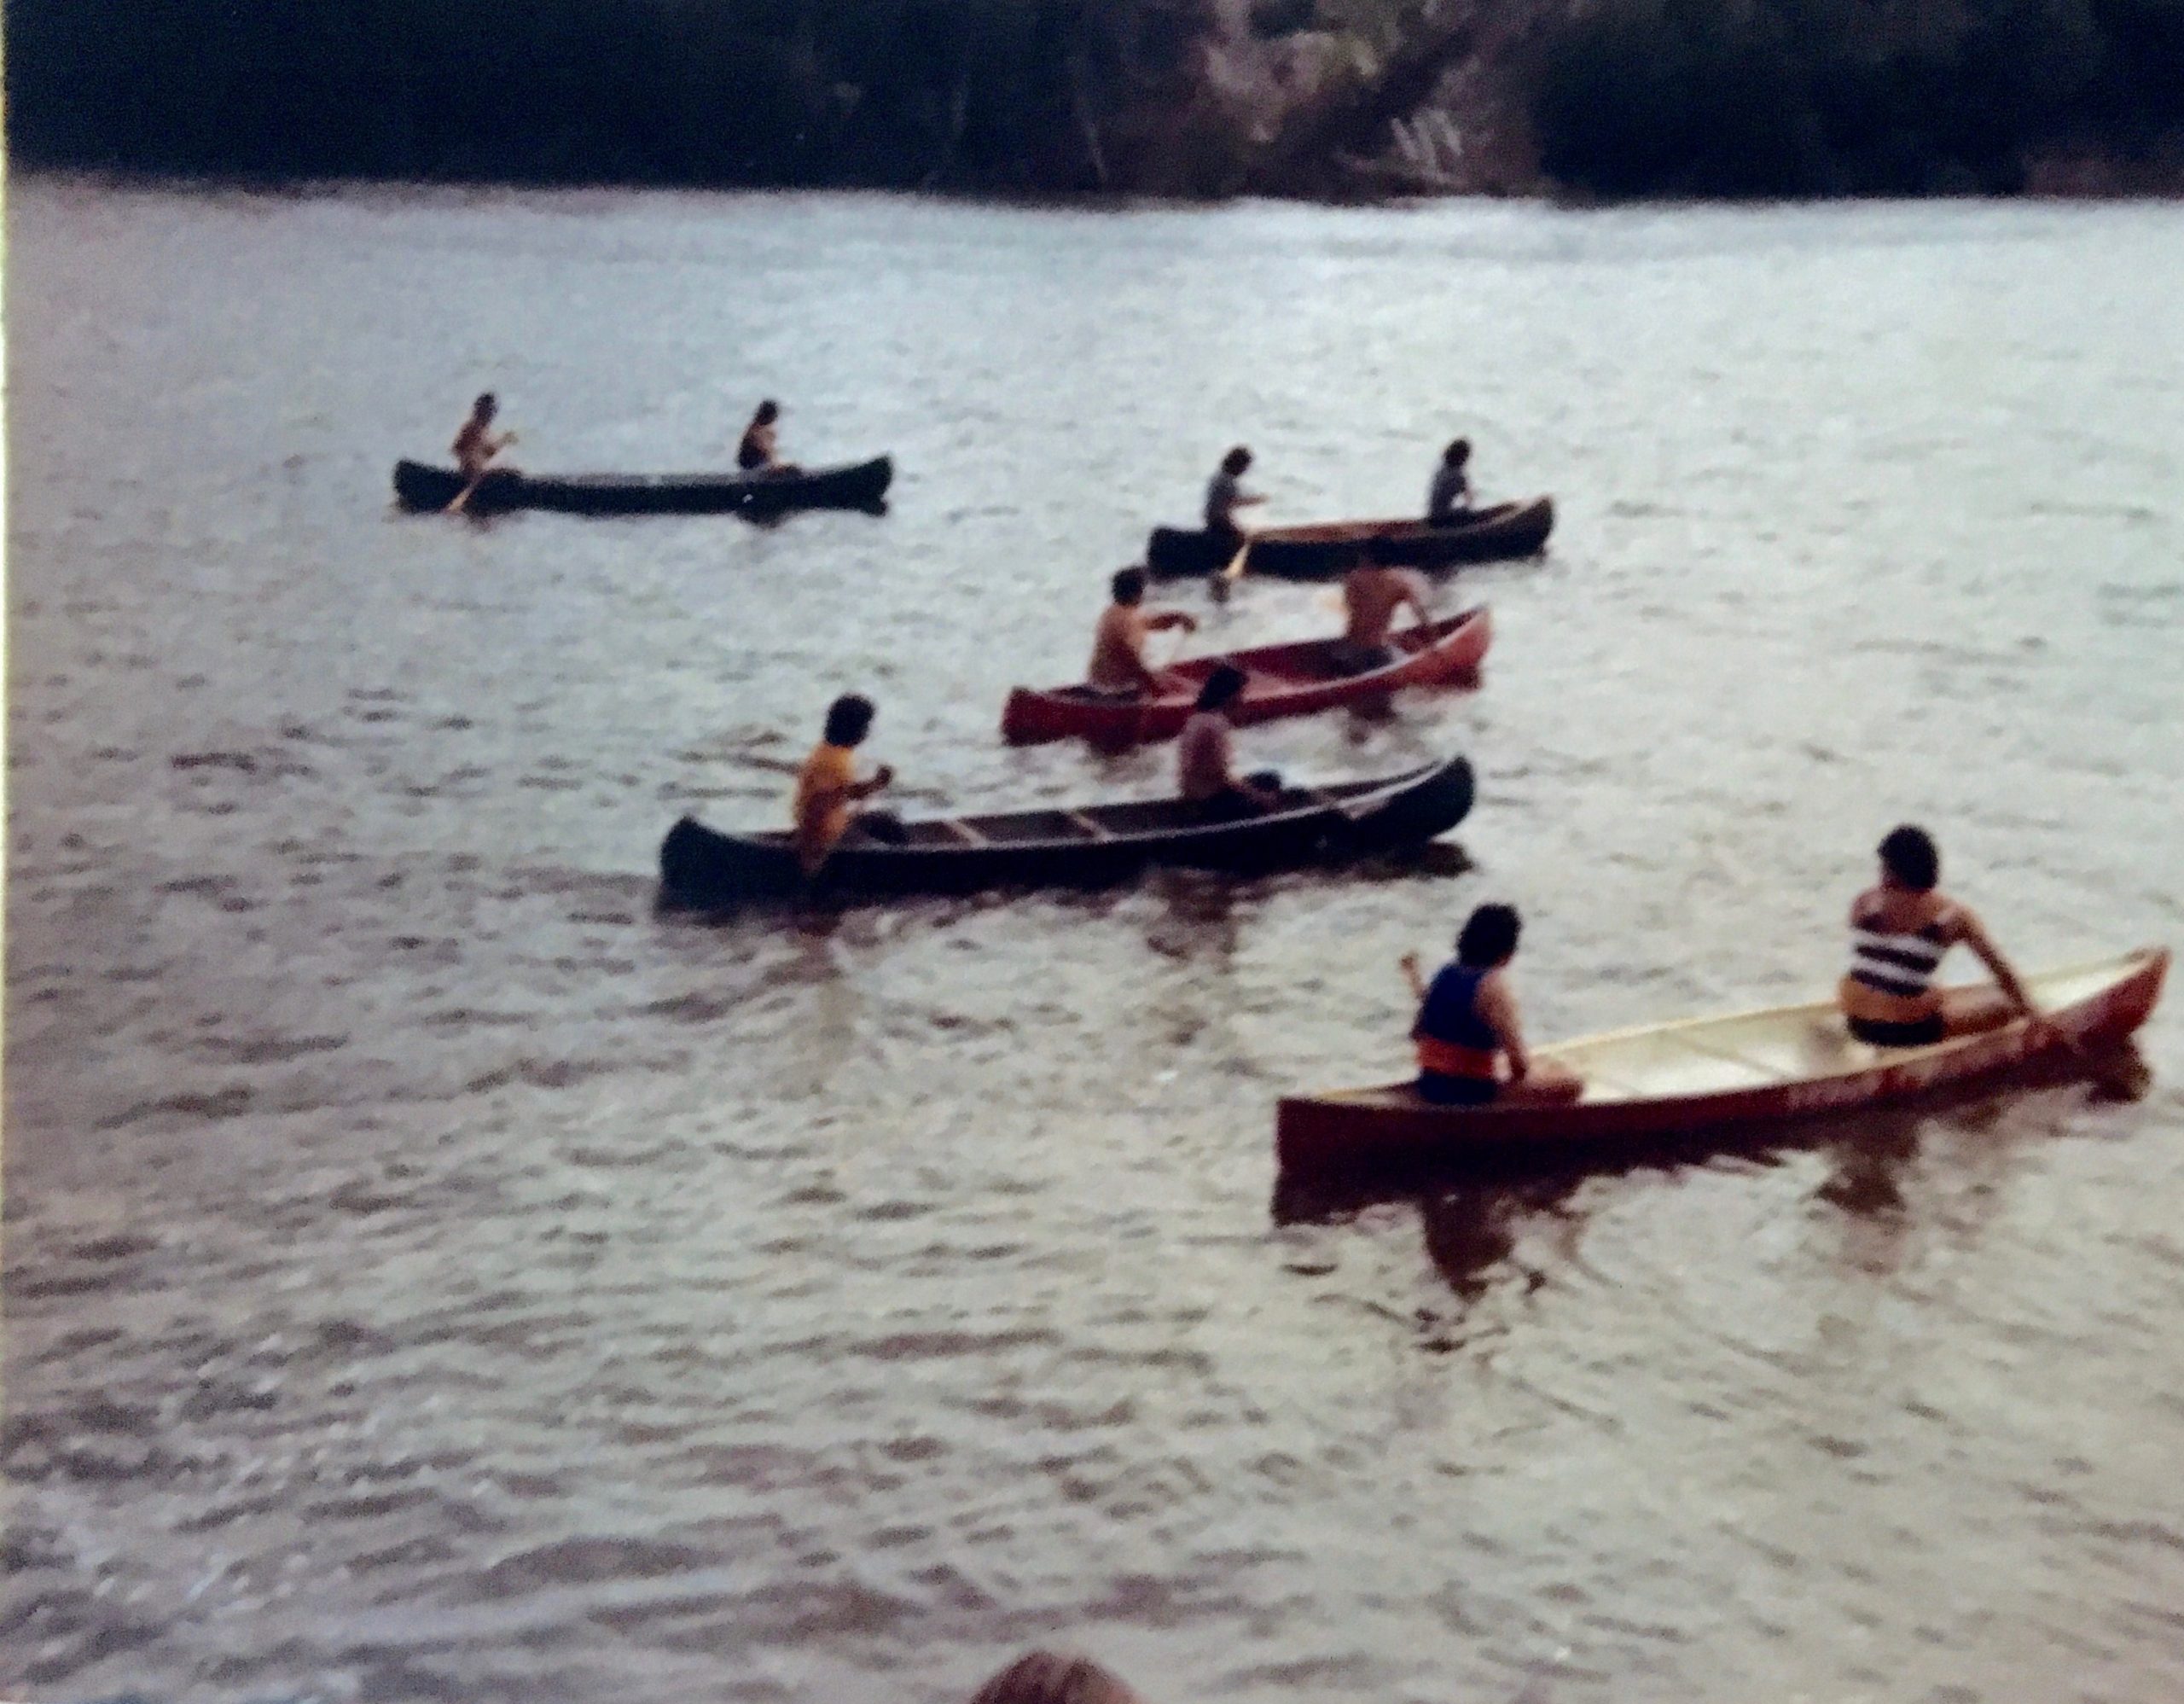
(1754, 1069)
(863, 486)
(703, 867)
(1326, 550)
(1280, 680)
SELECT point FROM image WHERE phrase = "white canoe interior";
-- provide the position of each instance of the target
(1781, 1044)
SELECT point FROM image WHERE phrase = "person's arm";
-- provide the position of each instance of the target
(1414, 975)
(823, 800)
(1973, 934)
(1498, 1006)
(1125, 633)
(1150, 679)
(1266, 798)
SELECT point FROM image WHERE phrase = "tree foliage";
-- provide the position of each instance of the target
(1756, 97)
(1626, 97)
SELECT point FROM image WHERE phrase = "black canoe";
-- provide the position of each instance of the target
(864, 485)
(1323, 552)
(701, 866)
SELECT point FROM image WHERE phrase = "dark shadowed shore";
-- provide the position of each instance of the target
(1325, 99)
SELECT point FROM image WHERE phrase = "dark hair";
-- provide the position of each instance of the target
(1128, 584)
(1221, 685)
(769, 412)
(1908, 854)
(486, 403)
(1458, 452)
(849, 719)
(1490, 937)
(1236, 460)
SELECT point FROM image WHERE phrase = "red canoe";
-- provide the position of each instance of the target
(1754, 1069)
(1280, 680)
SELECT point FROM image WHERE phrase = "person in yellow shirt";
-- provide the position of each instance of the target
(827, 788)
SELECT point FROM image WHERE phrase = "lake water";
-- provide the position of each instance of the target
(431, 1274)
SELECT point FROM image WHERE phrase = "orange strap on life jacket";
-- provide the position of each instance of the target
(1446, 1059)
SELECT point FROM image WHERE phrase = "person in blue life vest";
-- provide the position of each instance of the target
(1469, 1036)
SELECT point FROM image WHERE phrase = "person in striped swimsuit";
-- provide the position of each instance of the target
(1467, 1025)
(1900, 933)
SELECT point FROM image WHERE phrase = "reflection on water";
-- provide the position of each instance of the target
(432, 1271)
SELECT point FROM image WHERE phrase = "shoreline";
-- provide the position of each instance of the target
(2059, 180)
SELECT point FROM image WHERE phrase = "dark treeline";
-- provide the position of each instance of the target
(734, 91)
(1624, 96)
(1756, 97)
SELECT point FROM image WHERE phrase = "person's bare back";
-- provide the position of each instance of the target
(1373, 595)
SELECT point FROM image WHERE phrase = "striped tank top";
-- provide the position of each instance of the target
(1900, 963)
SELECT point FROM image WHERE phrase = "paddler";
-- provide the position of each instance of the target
(1900, 932)
(1224, 496)
(757, 453)
(827, 789)
(1374, 593)
(1118, 668)
(1055, 1677)
(1206, 755)
(1468, 1025)
(477, 444)
(1448, 498)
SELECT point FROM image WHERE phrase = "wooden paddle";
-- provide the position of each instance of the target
(1224, 581)
(1415, 975)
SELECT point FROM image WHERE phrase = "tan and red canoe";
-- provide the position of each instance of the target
(1280, 680)
(1750, 1069)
